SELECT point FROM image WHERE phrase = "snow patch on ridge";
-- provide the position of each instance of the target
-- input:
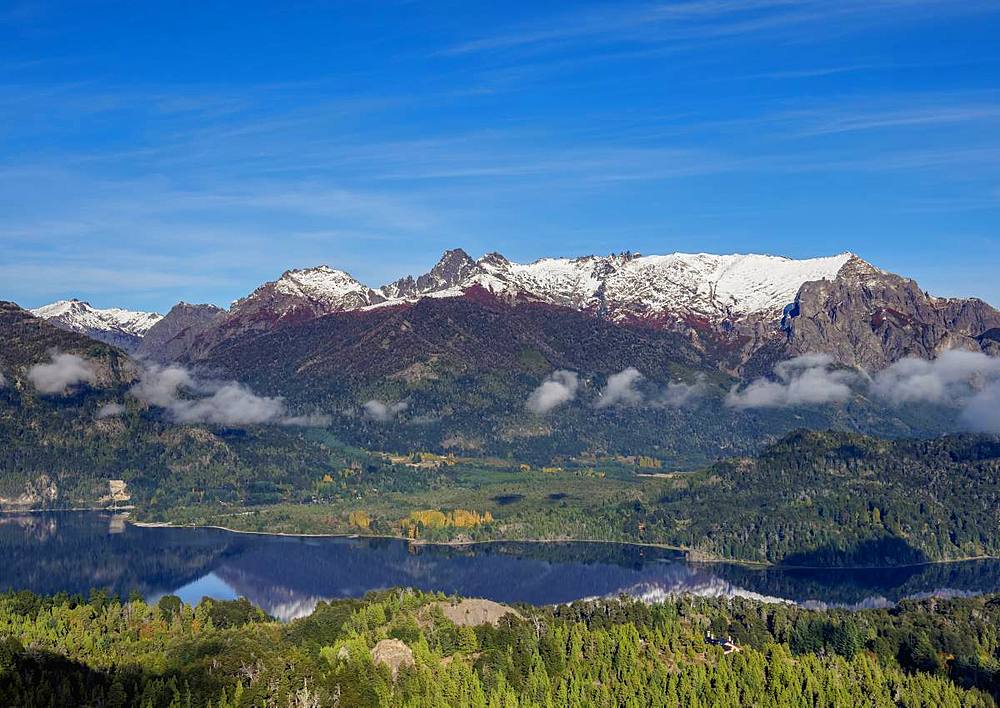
(79, 316)
(699, 283)
(320, 283)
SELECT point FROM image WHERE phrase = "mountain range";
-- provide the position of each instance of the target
(743, 312)
(642, 353)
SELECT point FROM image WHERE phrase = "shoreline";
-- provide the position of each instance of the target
(67, 508)
(639, 544)
(459, 544)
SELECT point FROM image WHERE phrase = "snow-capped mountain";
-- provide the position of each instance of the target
(625, 286)
(664, 291)
(621, 286)
(115, 326)
(748, 310)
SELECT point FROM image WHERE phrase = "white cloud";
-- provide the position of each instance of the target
(621, 389)
(231, 404)
(954, 376)
(188, 400)
(110, 410)
(159, 385)
(969, 380)
(678, 394)
(982, 411)
(558, 388)
(383, 412)
(61, 374)
(809, 379)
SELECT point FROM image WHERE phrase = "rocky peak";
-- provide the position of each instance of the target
(869, 318)
(454, 267)
(169, 338)
(493, 259)
(859, 269)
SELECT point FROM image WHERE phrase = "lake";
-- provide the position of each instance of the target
(286, 576)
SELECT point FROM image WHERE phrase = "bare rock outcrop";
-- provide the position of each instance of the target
(869, 318)
(171, 337)
(476, 612)
(394, 654)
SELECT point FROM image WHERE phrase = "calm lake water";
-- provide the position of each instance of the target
(287, 576)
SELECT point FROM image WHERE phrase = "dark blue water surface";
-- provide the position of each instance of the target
(76, 551)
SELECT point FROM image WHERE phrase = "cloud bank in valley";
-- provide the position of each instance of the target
(953, 376)
(61, 374)
(969, 380)
(677, 394)
(623, 389)
(809, 379)
(558, 388)
(383, 412)
(982, 411)
(189, 400)
(110, 410)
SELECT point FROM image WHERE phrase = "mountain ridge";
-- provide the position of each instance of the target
(114, 325)
(758, 308)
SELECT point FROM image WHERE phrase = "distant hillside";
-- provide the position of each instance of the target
(840, 499)
(61, 449)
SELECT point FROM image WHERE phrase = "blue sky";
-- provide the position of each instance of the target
(152, 152)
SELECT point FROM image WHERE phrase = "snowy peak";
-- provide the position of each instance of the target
(77, 315)
(627, 284)
(115, 326)
(324, 287)
(304, 293)
(322, 283)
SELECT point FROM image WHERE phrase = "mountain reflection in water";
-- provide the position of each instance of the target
(286, 576)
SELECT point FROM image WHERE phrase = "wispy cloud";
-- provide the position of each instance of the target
(186, 398)
(609, 121)
(810, 379)
(626, 389)
(832, 123)
(702, 19)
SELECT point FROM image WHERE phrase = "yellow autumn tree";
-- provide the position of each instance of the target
(360, 519)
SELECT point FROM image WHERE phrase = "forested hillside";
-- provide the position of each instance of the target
(462, 369)
(399, 648)
(810, 499)
(843, 499)
(61, 448)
